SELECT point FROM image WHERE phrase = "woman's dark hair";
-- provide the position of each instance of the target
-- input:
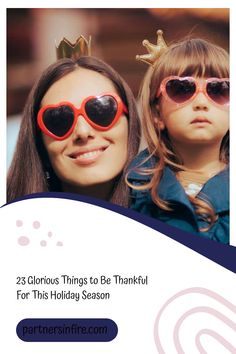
(30, 165)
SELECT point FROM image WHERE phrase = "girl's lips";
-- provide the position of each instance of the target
(200, 120)
(88, 156)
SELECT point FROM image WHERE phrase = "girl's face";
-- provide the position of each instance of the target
(88, 156)
(198, 121)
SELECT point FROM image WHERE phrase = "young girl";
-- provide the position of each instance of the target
(79, 131)
(182, 178)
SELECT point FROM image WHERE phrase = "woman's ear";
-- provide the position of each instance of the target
(158, 121)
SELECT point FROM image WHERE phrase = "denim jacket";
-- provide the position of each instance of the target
(183, 216)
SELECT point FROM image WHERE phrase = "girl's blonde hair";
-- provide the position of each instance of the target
(191, 57)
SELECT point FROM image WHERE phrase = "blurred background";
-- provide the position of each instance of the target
(117, 36)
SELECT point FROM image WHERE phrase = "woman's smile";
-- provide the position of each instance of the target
(88, 156)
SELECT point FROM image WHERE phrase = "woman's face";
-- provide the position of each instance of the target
(88, 156)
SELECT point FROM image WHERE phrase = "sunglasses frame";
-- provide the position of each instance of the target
(121, 108)
(200, 87)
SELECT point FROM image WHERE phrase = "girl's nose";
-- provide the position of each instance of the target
(83, 130)
(201, 102)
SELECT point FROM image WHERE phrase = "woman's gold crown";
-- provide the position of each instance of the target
(154, 50)
(66, 49)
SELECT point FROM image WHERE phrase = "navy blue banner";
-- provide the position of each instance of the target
(225, 255)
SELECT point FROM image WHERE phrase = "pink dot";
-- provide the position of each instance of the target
(59, 243)
(43, 243)
(19, 223)
(49, 234)
(23, 240)
(36, 224)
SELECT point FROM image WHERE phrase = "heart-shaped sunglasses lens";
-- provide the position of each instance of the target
(218, 91)
(101, 111)
(180, 91)
(58, 120)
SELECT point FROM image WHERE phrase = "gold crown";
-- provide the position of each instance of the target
(66, 49)
(155, 51)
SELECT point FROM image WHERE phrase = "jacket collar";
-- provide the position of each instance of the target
(169, 188)
(215, 190)
(172, 191)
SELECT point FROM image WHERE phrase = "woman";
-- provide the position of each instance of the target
(97, 136)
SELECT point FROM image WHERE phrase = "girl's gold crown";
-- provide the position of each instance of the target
(66, 49)
(154, 51)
